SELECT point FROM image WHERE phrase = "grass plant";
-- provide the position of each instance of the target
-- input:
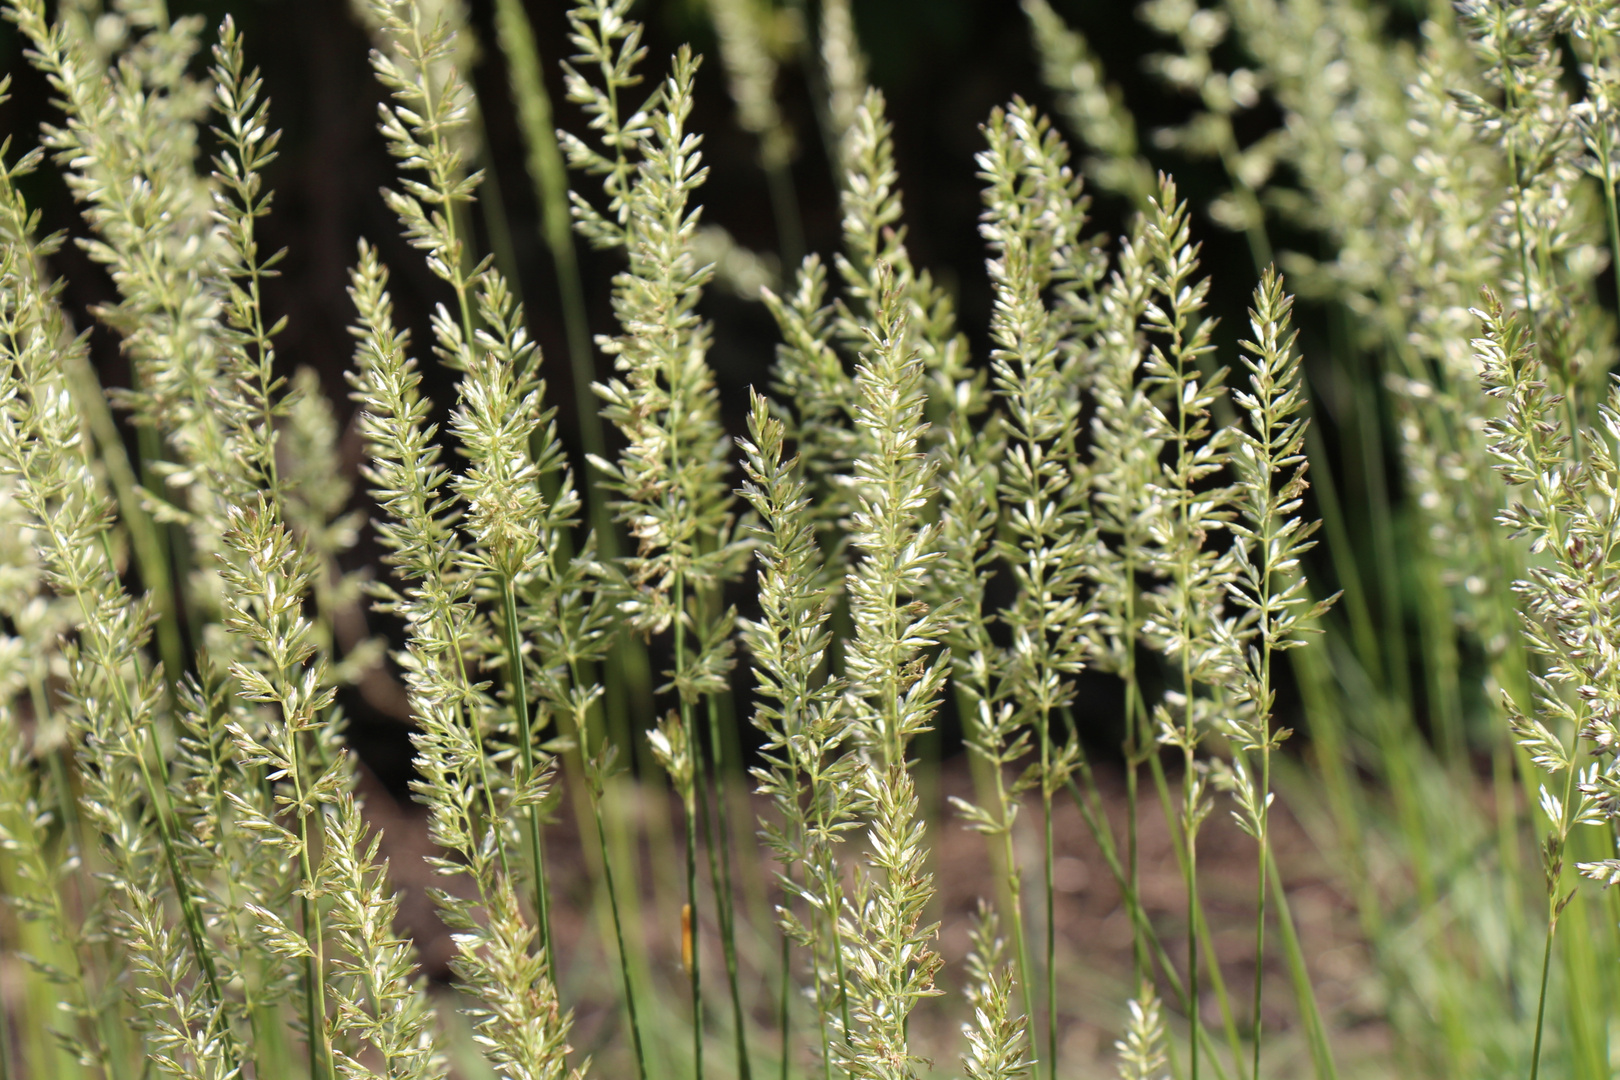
(195, 885)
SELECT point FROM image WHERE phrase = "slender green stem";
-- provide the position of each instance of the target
(520, 711)
(1606, 160)
(1518, 207)
(1260, 932)
(785, 208)
(784, 992)
(1138, 743)
(146, 540)
(550, 177)
(1051, 922)
(320, 1047)
(1541, 998)
(1213, 970)
(1091, 813)
(1015, 896)
(320, 1052)
(618, 937)
(1255, 230)
(821, 1002)
(720, 880)
(1188, 831)
(1304, 993)
(689, 929)
(1554, 907)
(593, 780)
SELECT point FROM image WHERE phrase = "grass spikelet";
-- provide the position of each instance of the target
(804, 772)
(894, 693)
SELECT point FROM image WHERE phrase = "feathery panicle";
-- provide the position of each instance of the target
(1198, 32)
(844, 66)
(295, 750)
(471, 808)
(1141, 1051)
(894, 691)
(742, 27)
(1268, 589)
(812, 783)
(114, 698)
(671, 477)
(1033, 219)
(379, 999)
(997, 1048)
(1185, 611)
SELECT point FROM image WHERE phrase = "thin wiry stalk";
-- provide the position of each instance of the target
(594, 775)
(719, 854)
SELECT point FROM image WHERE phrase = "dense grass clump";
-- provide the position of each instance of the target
(196, 885)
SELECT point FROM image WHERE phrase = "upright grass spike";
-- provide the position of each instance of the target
(499, 410)
(1566, 510)
(1269, 539)
(378, 993)
(844, 68)
(267, 582)
(997, 1046)
(1198, 32)
(432, 102)
(1184, 611)
(1034, 217)
(114, 698)
(513, 1000)
(671, 476)
(42, 875)
(1596, 118)
(894, 692)
(626, 665)
(549, 174)
(1124, 462)
(1142, 1050)
(800, 713)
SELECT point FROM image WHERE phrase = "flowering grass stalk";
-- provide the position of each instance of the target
(1184, 610)
(894, 693)
(1033, 223)
(811, 783)
(1267, 589)
(671, 475)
